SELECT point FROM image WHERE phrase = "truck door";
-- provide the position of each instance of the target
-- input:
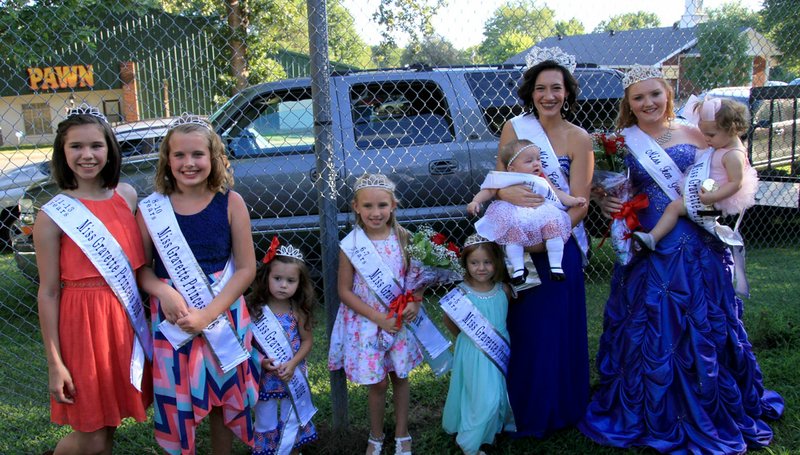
(402, 124)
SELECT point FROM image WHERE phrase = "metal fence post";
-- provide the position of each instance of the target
(326, 184)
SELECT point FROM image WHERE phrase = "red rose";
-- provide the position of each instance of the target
(438, 238)
(452, 247)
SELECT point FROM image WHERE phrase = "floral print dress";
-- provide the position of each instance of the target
(356, 341)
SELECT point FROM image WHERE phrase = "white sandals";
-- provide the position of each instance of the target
(374, 445)
(398, 447)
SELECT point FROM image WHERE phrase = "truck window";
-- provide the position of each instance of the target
(397, 114)
(276, 123)
(496, 94)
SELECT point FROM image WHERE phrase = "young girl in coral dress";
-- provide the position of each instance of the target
(87, 250)
(202, 262)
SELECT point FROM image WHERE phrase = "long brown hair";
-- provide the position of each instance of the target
(495, 252)
(63, 175)
(302, 300)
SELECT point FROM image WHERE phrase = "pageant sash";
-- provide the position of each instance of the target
(381, 281)
(475, 325)
(539, 185)
(191, 282)
(269, 333)
(696, 211)
(106, 254)
(528, 127)
(654, 160)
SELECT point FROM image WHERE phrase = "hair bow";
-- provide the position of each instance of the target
(696, 110)
(273, 248)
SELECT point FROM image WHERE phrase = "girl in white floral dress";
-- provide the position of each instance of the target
(365, 341)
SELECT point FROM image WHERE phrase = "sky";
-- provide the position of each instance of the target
(461, 21)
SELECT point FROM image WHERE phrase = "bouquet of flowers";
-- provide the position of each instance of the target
(612, 179)
(433, 258)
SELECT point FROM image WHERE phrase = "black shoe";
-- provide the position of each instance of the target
(519, 280)
(557, 276)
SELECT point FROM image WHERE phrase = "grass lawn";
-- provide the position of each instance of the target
(772, 318)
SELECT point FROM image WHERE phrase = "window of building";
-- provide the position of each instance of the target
(37, 119)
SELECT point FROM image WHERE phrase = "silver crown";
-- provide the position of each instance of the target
(541, 54)
(475, 239)
(85, 109)
(290, 252)
(373, 181)
(189, 119)
(639, 73)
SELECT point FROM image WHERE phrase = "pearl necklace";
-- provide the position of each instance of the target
(664, 138)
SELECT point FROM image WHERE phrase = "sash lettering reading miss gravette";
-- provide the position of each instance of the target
(528, 127)
(381, 281)
(475, 325)
(697, 173)
(106, 254)
(654, 160)
(191, 282)
(271, 336)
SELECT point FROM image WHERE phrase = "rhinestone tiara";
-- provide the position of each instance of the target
(85, 109)
(639, 73)
(475, 239)
(541, 54)
(373, 181)
(189, 119)
(290, 252)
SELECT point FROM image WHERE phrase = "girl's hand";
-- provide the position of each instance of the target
(521, 196)
(706, 197)
(60, 384)
(269, 365)
(194, 322)
(172, 304)
(411, 311)
(610, 205)
(286, 371)
(387, 324)
(474, 208)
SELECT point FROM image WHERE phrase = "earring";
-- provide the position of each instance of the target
(565, 107)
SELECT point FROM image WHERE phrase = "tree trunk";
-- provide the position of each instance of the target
(237, 21)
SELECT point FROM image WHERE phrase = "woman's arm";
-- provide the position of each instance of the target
(170, 300)
(349, 298)
(519, 195)
(244, 260)
(581, 170)
(734, 163)
(47, 242)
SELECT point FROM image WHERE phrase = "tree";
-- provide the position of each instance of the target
(410, 18)
(781, 18)
(628, 21)
(514, 27)
(723, 59)
(570, 27)
(435, 51)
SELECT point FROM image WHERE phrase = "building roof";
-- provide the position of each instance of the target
(647, 46)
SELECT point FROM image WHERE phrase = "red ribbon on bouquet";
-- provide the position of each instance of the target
(399, 305)
(628, 213)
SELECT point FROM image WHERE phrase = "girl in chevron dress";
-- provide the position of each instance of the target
(189, 383)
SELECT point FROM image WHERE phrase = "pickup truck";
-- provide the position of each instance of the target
(434, 131)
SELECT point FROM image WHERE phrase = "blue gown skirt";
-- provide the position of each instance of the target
(677, 372)
(548, 375)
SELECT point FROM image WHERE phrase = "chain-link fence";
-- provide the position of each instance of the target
(387, 91)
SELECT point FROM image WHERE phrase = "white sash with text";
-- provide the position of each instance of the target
(655, 161)
(106, 254)
(381, 280)
(473, 324)
(191, 282)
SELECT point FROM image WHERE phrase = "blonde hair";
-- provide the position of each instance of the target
(732, 117)
(221, 177)
(401, 232)
(626, 117)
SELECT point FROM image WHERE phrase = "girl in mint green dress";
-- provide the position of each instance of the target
(477, 406)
